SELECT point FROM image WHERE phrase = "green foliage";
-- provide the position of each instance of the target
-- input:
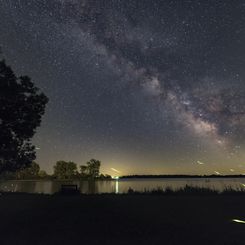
(65, 170)
(31, 172)
(83, 171)
(6, 175)
(43, 174)
(105, 177)
(21, 109)
(93, 168)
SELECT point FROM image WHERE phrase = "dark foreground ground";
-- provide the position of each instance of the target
(121, 219)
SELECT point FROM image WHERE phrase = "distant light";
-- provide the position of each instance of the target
(238, 221)
(115, 170)
(115, 177)
(200, 163)
(186, 102)
(232, 170)
(217, 172)
(37, 148)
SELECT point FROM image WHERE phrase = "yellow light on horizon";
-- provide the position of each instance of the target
(115, 170)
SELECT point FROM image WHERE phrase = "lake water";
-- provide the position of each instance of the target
(121, 185)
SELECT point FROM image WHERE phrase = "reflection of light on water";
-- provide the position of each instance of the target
(238, 221)
(117, 187)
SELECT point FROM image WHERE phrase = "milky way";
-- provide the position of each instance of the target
(145, 86)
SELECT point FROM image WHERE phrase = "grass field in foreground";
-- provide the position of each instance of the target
(121, 219)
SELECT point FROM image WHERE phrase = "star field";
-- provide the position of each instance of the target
(147, 87)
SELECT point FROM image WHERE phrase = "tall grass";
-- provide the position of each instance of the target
(189, 190)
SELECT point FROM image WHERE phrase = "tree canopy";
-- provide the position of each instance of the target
(93, 167)
(65, 170)
(21, 108)
(30, 172)
(83, 170)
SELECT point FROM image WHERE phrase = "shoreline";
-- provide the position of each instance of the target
(136, 177)
(187, 190)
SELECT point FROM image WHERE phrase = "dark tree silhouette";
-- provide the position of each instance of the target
(93, 167)
(29, 173)
(43, 174)
(65, 170)
(84, 170)
(21, 108)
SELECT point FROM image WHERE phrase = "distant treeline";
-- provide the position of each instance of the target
(62, 171)
(181, 176)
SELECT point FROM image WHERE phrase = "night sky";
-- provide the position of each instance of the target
(147, 86)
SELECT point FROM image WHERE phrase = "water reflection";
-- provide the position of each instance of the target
(121, 185)
(117, 187)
